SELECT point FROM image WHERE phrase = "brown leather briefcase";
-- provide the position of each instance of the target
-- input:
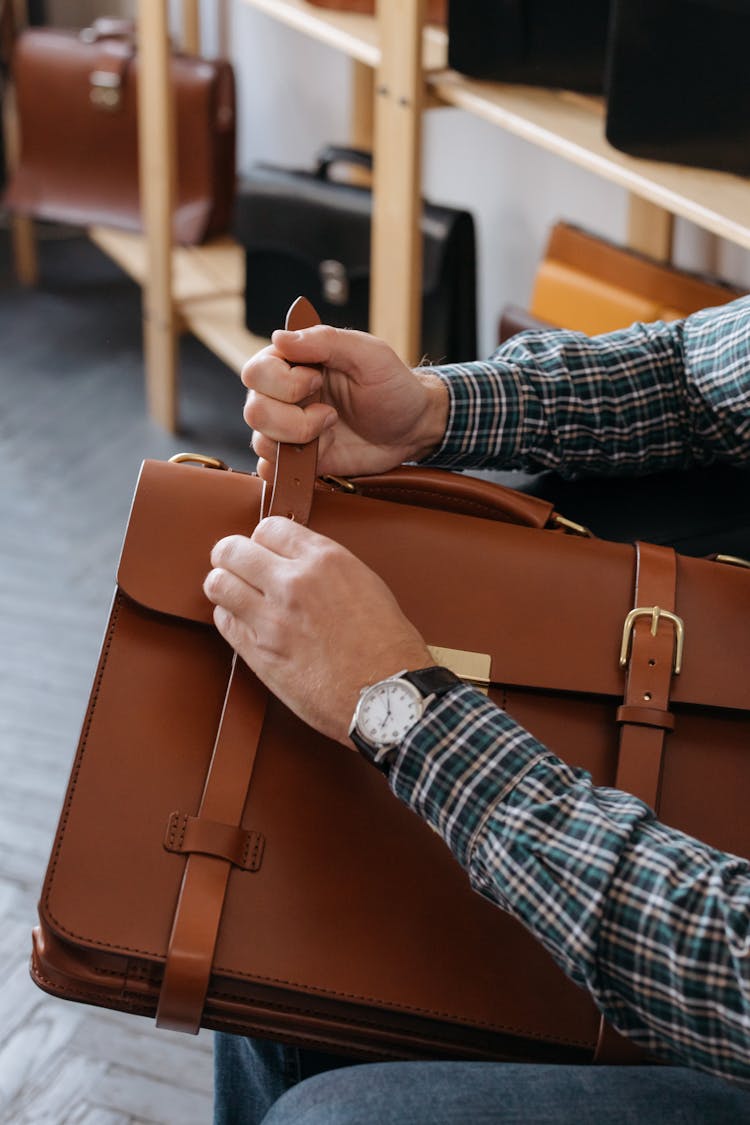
(591, 285)
(217, 863)
(76, 95)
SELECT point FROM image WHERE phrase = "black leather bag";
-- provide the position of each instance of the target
(305, 232)
(532, 42)
(679, 82)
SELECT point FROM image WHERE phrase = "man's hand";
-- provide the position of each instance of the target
(375, 412)
(312, 621)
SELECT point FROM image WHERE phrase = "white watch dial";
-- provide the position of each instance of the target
(388, 710)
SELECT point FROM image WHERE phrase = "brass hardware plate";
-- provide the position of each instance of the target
(656, 614)
(473, 668)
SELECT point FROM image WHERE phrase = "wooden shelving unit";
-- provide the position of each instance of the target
(399, 72)
(572, 127)
(207, 289)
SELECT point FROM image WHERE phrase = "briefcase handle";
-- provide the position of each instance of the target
(340, 154)
(107, 27)
(296, 466)
(454, 492)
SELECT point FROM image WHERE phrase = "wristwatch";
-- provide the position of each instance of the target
(386, 711)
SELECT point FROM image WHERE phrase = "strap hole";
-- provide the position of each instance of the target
(652, 663)
(647, 695)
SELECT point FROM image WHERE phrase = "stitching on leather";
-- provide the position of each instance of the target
(176, 822)
(79, 758)
(135, 1003)
(246, 861)
(380, 1025)
(146, 1006)
(257, 850)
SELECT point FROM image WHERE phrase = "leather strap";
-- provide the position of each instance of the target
(645, 719)
(296, 465)
(215, 833)
(201, 899)
(645, 716)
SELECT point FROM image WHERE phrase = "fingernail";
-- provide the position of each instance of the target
(316, 382)
(331, 420)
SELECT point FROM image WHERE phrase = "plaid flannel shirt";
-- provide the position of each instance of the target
(654, 924)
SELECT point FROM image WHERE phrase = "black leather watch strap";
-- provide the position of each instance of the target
(432, 681)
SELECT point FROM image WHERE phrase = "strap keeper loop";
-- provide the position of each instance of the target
(188, 834)
(646, 717)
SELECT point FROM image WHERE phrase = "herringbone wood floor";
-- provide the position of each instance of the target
(72, 434)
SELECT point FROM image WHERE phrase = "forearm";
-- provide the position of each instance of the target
(648, 398)
(652, 923)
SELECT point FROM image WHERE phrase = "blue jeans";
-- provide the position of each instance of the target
(277, 1085)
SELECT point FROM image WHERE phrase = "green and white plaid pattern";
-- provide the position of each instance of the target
(647, 398)
(654, 924)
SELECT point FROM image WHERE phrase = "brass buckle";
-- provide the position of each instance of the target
(656, 614)
(106, 89)
(733, 560)
(570, 527)
(341, 484)
(199, 459)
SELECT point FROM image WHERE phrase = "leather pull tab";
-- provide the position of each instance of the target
(296, 465)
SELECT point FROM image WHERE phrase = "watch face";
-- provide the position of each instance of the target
(387, 711)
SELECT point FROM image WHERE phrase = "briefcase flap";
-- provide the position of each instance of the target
(549, 609)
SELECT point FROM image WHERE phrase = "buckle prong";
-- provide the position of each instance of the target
(656, 614)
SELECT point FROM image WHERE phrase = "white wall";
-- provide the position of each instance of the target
(293, 97)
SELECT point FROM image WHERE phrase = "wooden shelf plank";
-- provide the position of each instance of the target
(353, 34)
(573, 127)
(219, 323)
(208, 288)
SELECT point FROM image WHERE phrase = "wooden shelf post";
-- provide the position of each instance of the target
(191, 27)
(158, 158)
(361, 129)
(650, 229)
(395, 306)
(23, 235)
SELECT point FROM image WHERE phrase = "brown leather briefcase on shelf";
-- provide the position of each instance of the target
(76, 95)
(591, 285)
(217, 863)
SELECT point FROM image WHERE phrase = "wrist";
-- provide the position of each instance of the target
(433, 421)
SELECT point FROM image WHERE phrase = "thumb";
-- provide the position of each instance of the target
(307, 346)
(340, 348)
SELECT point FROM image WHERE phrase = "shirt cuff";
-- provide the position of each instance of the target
(461, 759)
(486, 415)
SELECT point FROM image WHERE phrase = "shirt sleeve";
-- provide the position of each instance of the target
(649, 398)
(655, 924)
